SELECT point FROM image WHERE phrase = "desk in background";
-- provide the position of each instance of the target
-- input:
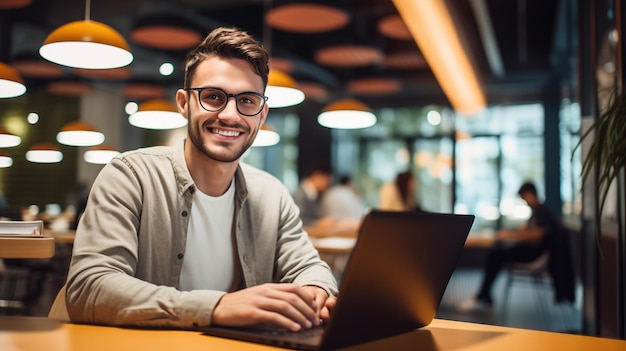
(33, 333)
(26, 247)
(334, 245)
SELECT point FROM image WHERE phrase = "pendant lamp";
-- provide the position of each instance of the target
(11, 83)
(79, 133)
(44, 153)
(266, 136)
(157, 114)
(5, 161)
(86, 44)
(100, 154)
(8, 139)
(347, 114)
(282, 90)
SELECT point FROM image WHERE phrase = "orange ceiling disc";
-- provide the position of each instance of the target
(306, 18)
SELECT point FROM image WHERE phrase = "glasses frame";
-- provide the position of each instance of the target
(228, 96)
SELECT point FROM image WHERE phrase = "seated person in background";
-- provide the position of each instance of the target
(399, 195)
(186, 236)
(308, 195)
(342, 203)
(522, 245)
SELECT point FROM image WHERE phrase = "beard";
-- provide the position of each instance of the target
(220, 151)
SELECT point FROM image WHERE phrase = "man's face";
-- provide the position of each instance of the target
(225, 135)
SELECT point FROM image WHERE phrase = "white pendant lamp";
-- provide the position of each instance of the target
(347, 114)
(11, 83)
(100, 154)
(266, 136)
(157, 114)
(5, 161)
(44, 153)
(282, 90)
(79, 133)
(86, 44)
(8, 139)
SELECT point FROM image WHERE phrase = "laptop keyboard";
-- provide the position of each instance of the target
(315, 331)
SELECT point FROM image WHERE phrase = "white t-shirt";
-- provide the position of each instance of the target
(209, 261)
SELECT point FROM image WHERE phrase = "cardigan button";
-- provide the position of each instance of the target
(184, 213)
(180, 256)
(192, 190)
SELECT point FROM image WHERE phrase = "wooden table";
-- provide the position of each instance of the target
(35, 333)
(26, 247)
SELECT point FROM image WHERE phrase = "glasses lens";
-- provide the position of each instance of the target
(212, 99)
(249, 103)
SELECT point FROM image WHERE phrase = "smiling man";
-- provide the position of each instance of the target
(186, 236)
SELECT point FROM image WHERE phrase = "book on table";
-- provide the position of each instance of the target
(22, 228)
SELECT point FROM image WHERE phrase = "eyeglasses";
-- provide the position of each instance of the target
(214, 100)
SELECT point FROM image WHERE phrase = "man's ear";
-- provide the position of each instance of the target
(264, 114)
(182, 99)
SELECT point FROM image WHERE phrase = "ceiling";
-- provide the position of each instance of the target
(524, 34)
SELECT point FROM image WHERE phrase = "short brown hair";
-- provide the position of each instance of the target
(229, 42)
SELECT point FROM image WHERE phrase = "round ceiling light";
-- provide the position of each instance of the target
(374, 86)
(157, 114)
(165, 32)
(11, 83)
(79, 133)
(393, 27)
(69, 88)
(37, 68)
(406, 60)
(347, 114)
(282, 90)
(306, 18)
(86, 44)
(266, 136)
(349, 56)
(44, 153)
(100, 154)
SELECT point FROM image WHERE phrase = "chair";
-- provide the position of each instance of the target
(21, 284)
(12, 282)
(58, 310)
(534, 272)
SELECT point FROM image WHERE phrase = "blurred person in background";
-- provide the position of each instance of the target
(399, 195)
(308, 195)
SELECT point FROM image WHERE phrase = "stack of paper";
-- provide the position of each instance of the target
(21, 228)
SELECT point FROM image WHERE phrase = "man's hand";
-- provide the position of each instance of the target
(285, 305)
(324, 304)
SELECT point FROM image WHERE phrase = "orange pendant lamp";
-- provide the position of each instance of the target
(157, 114)
(347, 114)
(86, 44)
(11, 83)
(282, 90)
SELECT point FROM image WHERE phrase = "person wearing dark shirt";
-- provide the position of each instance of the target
(522, 245)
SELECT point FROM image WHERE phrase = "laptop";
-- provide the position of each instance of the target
(393, 282)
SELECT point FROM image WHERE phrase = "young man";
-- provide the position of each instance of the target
(186, 236)
(522, 245)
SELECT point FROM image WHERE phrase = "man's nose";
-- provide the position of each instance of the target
(230, 110)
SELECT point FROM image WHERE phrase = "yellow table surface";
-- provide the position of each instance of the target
(33, 333)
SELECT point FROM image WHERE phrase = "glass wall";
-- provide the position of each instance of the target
(464, 165)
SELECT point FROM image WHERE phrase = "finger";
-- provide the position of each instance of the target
(291, 306)
(307, 295)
